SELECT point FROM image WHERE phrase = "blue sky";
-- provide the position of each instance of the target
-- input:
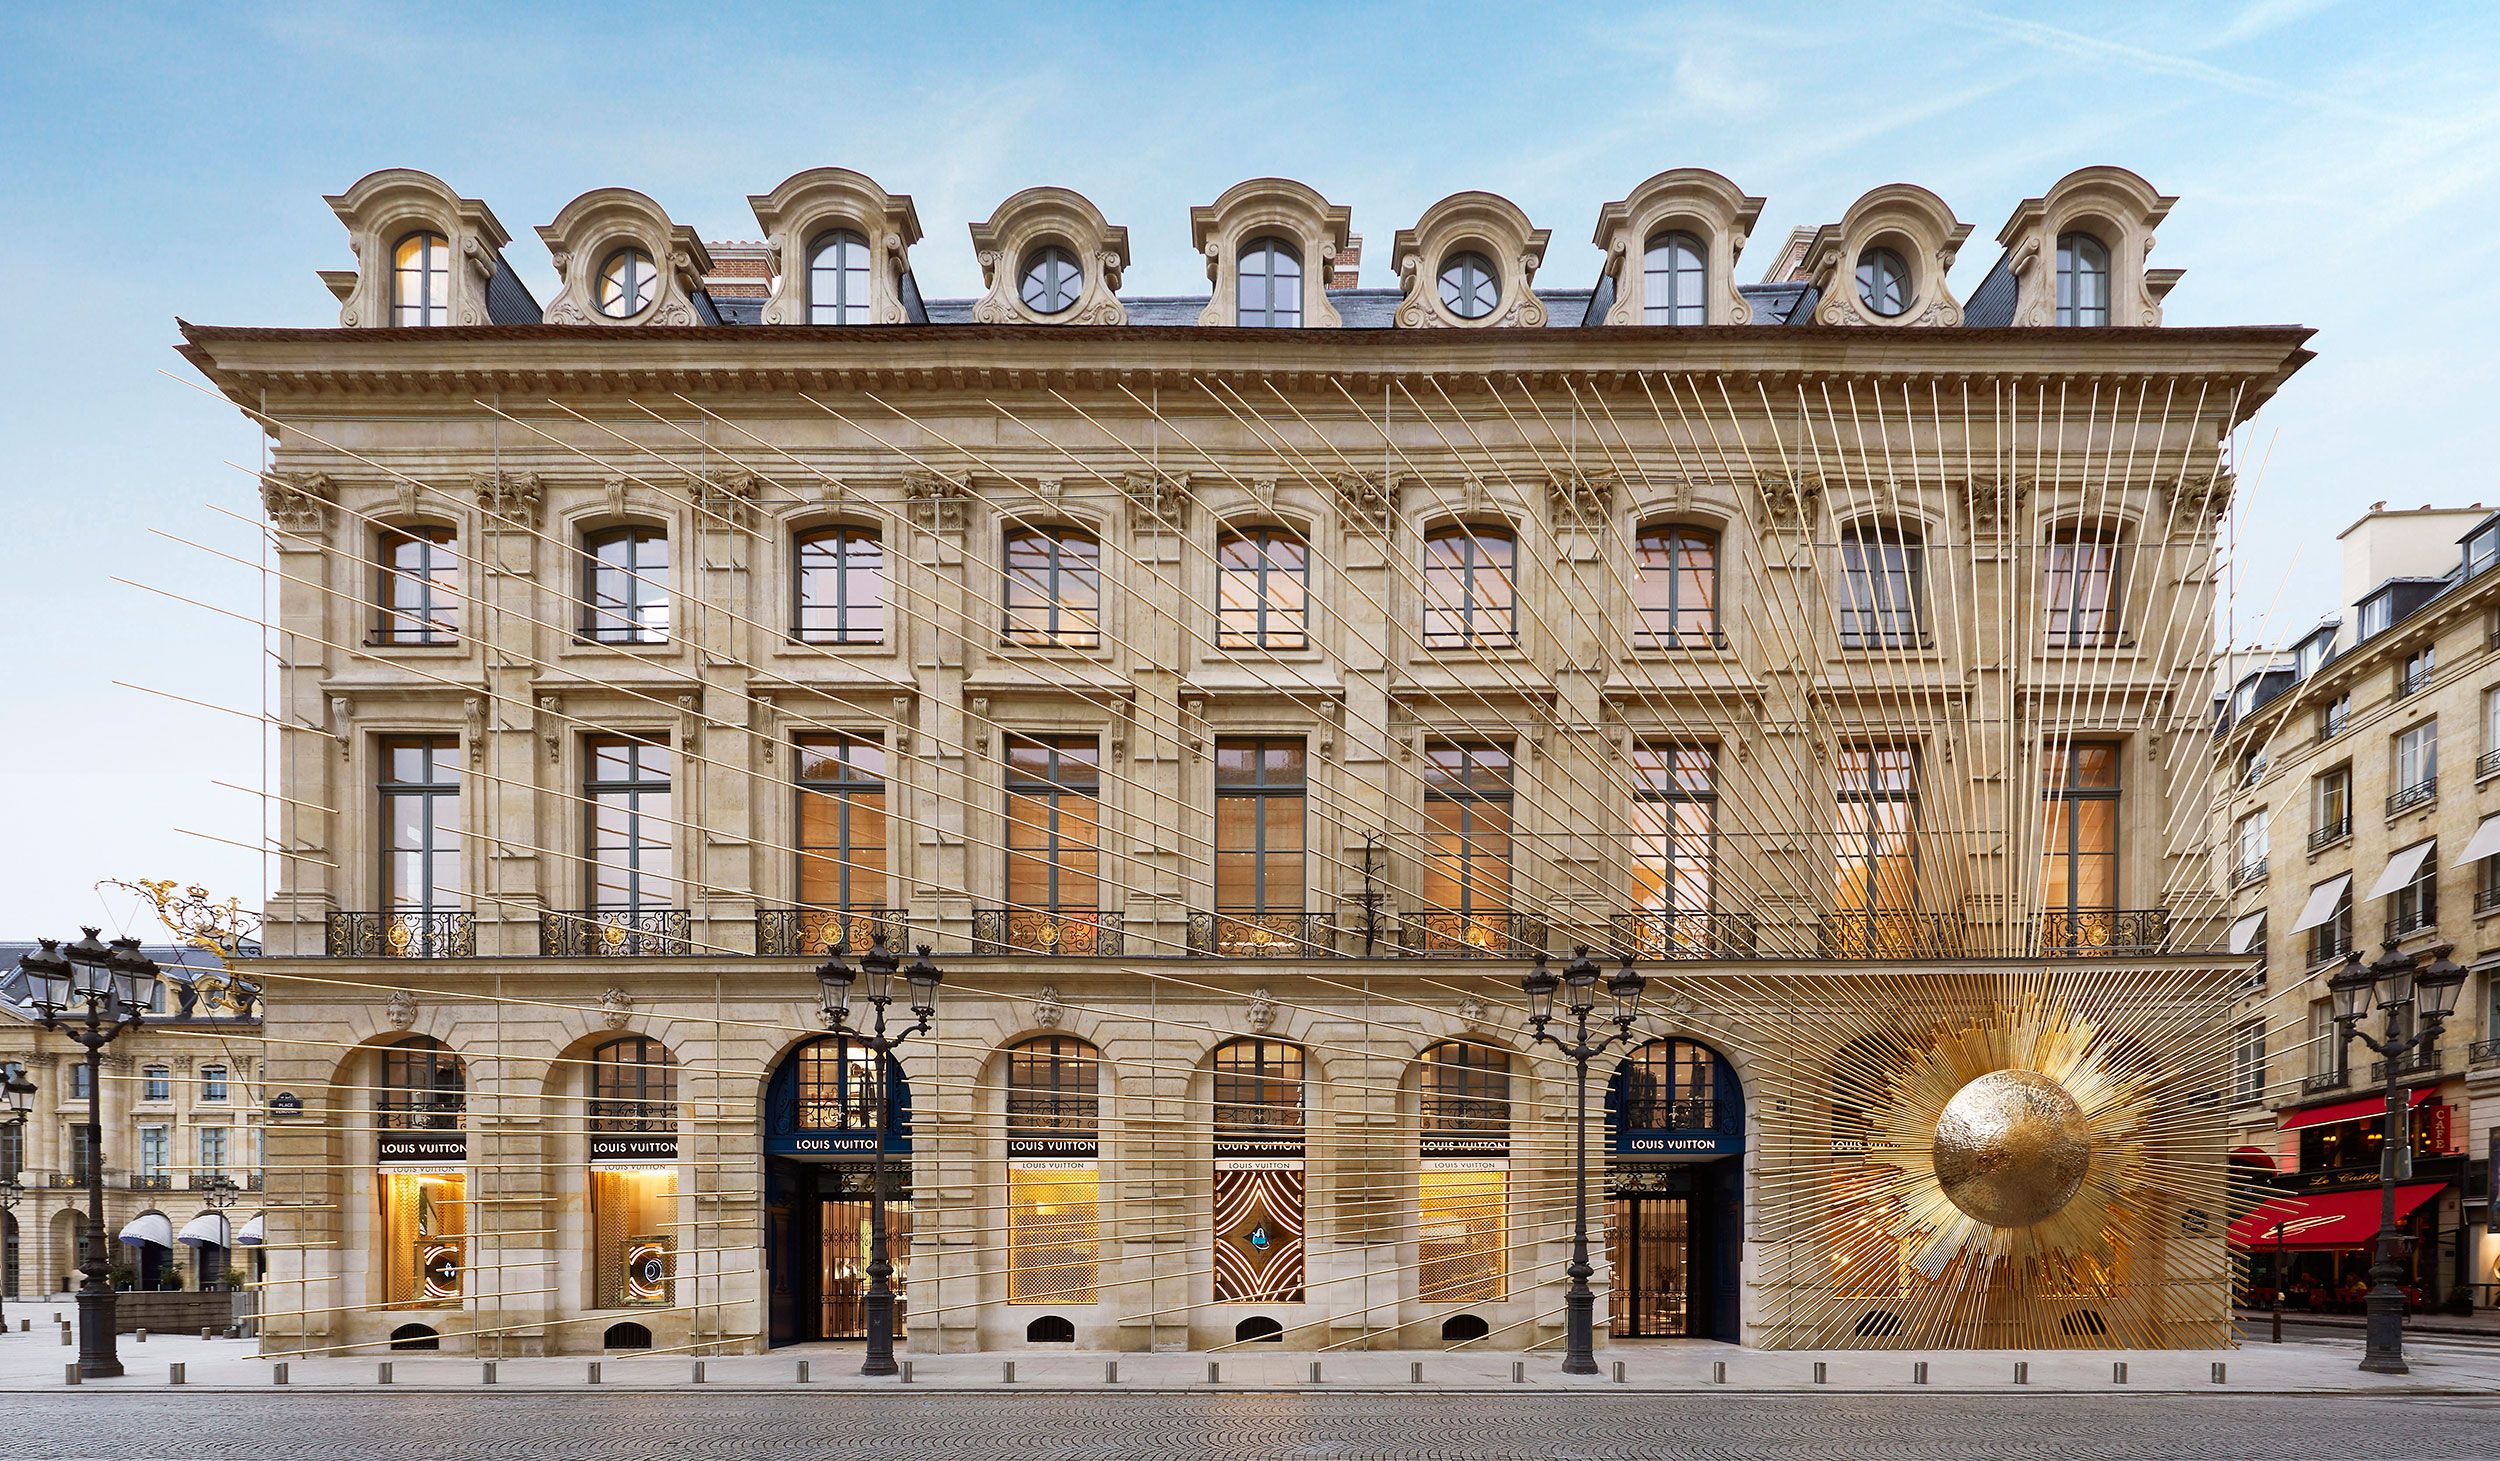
(2338, 165)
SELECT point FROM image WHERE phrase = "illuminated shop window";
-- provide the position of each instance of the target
(425, 1239)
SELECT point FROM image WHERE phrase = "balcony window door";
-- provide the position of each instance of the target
(1875, 848)
(420, 791)
(1054, 823)
(2417, 760)
(1675, 835)
(633, 828)
(2330, 805)
(1261, 790)
(1467, 828)
(2079, 842)
(842, 822)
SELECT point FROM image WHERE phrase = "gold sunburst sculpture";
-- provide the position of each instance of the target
(2012, 1139)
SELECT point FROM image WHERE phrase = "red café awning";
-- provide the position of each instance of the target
(2361, 1110)
(2327, 1219)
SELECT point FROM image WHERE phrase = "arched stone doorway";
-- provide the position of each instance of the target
(828, 1108)
(1675, 1128)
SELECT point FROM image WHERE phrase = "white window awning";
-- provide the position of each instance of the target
(251, 1234)
(2245, 933)
(208, 1230)
(2484, 843)
(2401, 867)
(149, 1227)
(2322, 903)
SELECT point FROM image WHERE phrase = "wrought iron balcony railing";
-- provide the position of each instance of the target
(1263, 935)
(2487, 765)
(2325, 1082)
(2483, 1052)
(2425, 1061)
(1446, 933)
(2405, 921)
(2105, 931)
(1683, 934)
(406, 933)
(2330, 834)
(2486, 899)
(152, 1182)
(611, 932)
(2251, 871)
(2420, 794)
(814, 932)
(2330, 942)
(1074, 931)
(1889, 933)
(2411, 680)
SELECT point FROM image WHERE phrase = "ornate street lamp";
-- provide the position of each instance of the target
(874, 983)
(112, 988)
(1578, 986)
(17, 1094)
(2416, 1003)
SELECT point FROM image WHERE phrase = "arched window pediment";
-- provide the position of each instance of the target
(1250, 289)
(823, 205)
(1470, 262)
(1701, 206)
(1885, 263)
(1026, 285)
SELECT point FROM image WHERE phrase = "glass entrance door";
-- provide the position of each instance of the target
(842, 1277)
(1650, 1238)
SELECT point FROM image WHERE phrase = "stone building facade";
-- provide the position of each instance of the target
(1237, 693)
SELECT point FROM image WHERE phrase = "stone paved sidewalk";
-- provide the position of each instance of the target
(35, 1361)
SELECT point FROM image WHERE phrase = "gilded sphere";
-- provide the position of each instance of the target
(2011, 1148)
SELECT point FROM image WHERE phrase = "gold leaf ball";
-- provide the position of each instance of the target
(2011, 1148)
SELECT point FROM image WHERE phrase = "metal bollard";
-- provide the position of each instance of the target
(1821, 1374)
(1618, 1372)
(802, 1372)
(2118, 1372)
(277, 1373)
(2220, 1373)
(1519, 1372)
(1314, 1372)
(138, 1336)
(1007, 1373)
(698, 1372)
(1111, 1372)
(382, 1373)
(906, 1372)
(1918, 1373)
(2022, 1372)
(66, 1337)
(71, 1375)
(594, 1373)
(489, 1377)
(208, 1334)
(1718, 1372)
(1215, 1373)
(1415, 1373)
(174, 1373)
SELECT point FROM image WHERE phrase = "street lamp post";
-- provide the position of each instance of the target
(18, 1093)
(2415, 1003)
(836, 978)
(1579, 986)
(113, 988)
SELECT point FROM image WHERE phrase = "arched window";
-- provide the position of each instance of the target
(1470, 599)
(1050, 280)
(2083, 590)
(837, 279)
(1054, 1089)
(840, 1086)
(1671, 1085)
(417, 586)
(1271, 285)
(1054, 589)
(424, 1087)
(1679, 586)
(633, 1087)
(1465, 1094)
(421, 280)
(2082, 280)
(1470, 289)
(1258, 1090)
(1463, 1193)
(1883, 591)
(1672, 280)
(1262, 590)
(625, 598)
(1884, 281)
(627, 283)
(840, 587)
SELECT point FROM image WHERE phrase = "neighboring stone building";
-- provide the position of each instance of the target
(2360, 775)
(1236, 711)
(182, 1109)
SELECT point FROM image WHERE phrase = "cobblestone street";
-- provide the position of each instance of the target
(302, 1427)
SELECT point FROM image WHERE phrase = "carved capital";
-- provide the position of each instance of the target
(298, 501)
(510, 499)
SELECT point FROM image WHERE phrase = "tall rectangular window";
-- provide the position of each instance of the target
(633, 829)
(1260, 791)
(156, 1145)
(1874, 832)
(625, 592)
(1679, 585)
(1674, 830)
(1882, 590)
(842, 822)
(12, 1150)
(1262, 591)
(2327, 1056)
(2248, 1066)
(2248, 862)
(2491, 720)
(81, 1152)
(417, 586)
(1471, 600)
(420, 791)
(1054, 589)
(2079, 848)
(2415, 906)
(425, 1234)
(2083, 592)
(1467, 827)
(212, 1151)
(1054, 822)
(2330, 806)
(2416, 766)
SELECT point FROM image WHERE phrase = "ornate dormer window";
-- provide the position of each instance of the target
(1049, 258)
(1269, 244)
(1468, 263)
(1671, 250)
(840, 248)
(2076, 254)
(1885, 262)
(624, 263)
(425, 256)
